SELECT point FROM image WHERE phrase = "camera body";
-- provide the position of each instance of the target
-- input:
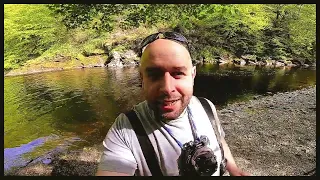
(197, 159)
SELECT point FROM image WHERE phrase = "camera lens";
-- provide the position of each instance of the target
(206, 165)
(197, 159)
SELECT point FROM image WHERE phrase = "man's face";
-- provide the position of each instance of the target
(167, 78)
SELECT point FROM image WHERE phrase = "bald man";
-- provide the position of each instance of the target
(170, 115)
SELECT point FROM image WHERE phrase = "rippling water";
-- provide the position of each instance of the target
(70, 109)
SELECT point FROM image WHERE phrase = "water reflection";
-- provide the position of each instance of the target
(78, 101)
(83, 103)
(229, 83)
(41, 149)
(13, 156)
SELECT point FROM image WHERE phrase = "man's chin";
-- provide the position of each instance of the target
(167, 117)
(170, 115)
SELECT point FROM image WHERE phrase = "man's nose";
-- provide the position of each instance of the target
(167, 85)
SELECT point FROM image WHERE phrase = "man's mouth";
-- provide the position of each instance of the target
(169, 102)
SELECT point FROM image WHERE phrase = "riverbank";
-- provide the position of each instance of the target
(60, 66)
(271, 135)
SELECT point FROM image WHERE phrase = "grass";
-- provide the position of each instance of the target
(83, 48)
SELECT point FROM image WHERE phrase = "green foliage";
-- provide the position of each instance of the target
(80, 42)
(229, 26)
(268, 31)
(94, 16)
(292, 32)
(302, 28)
(29, 30)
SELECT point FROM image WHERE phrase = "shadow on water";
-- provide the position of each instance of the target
(228, 83)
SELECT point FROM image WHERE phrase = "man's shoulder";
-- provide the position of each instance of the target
(195, 101)
(141, 106)
(123, 121)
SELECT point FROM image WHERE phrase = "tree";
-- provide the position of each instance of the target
(29, 30)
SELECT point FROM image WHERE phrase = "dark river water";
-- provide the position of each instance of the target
(53, 111)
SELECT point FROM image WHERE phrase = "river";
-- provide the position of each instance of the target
(70, 109)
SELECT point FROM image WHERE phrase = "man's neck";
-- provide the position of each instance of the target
(180, 116)
(159, 118)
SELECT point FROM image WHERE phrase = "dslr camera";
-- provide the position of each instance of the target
(197, 159)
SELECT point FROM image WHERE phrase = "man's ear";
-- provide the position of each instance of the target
(194, 71)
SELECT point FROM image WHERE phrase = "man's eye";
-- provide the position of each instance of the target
(154, 75)
(177, 74)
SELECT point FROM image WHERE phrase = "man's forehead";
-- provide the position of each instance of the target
(161, 45)
(166, 63)
(164, 42)
(158, 68)
(165, 54)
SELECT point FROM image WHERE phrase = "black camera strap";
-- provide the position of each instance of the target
(145, 144)
(214, 121)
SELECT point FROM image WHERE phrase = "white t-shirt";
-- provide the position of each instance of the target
(122, 152)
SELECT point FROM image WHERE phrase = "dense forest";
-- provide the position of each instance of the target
(40, 33)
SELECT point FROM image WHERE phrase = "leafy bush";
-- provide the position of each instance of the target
(276, 31)
(29, 30)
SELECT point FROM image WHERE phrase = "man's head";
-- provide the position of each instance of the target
(167, 77)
